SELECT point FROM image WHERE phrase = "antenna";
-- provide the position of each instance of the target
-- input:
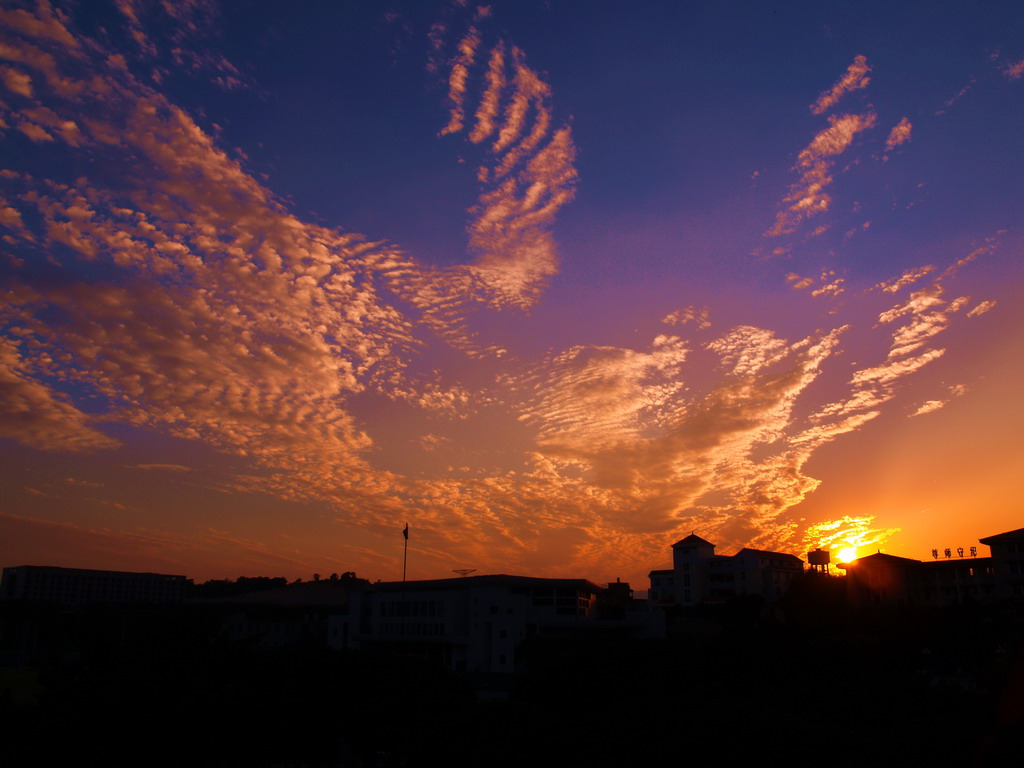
(463, 572)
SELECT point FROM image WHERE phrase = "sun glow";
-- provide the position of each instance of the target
(845, 536)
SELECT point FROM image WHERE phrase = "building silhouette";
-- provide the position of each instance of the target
(79, 585)
(474, 624)
(887, 579)
(698, 575)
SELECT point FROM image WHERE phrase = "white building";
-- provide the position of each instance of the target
(698, 575)
(473, 624)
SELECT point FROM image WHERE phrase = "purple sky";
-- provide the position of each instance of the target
(556, 283)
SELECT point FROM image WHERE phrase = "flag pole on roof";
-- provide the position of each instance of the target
(404, 606)
(405, 553)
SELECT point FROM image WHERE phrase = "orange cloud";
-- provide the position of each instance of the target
(457, 79)
(848, 532)
(16, 81)
(981, 308)
(43, 24)
(37, 416)
(854, 79)
(899, 134)
(909, 277)
(807, 197)
(929, 406)
(218, 316)
(919, 319)
(699, 316)
(533, 175)
(487, 111)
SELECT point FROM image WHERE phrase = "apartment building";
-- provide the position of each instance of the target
(698, 575)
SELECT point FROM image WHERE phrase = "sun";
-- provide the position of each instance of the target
(846, 554)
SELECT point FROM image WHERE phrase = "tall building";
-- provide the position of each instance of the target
(698, 575)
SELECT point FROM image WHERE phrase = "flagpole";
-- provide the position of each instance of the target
(404, 605)
(405, 553)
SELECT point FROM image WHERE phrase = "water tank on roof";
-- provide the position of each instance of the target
(819, 559)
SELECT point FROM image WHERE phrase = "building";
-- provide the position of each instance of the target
(78, 585)
(663, 587)
(698, 575)
(1007, 562)
(300, 614)
(887, 579)
(473, 624)
(882, 579)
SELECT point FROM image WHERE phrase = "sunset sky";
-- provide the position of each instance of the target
(555, 282)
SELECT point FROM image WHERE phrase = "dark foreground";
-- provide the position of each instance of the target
(157, 687)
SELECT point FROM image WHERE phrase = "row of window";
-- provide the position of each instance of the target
(412, 629)
(412, 608)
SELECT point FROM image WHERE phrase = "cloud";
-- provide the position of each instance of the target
(487, 111)
(807, 197)
(627, 422)
(10, 217)
(457, 79)
(907, 278)
(43, 24)
(213, 314)
(982, 250)
(832, 288)
(16, 81)
(432, 442)
(854, 79)
(33, 131)
(1014, 70)
(161, 467)
(829, 284)
(36, 415)
(530, 177)
(798, 283)
(982, 308)
(228, 320)
(915, 323)
(846, 532)
(699, 316)
(929, 406)
(510, 231)
(453, 401)
(899, 134)
(955, 98)
(161, 286)
(927, 313)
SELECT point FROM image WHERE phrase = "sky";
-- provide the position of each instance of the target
(555, 283)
